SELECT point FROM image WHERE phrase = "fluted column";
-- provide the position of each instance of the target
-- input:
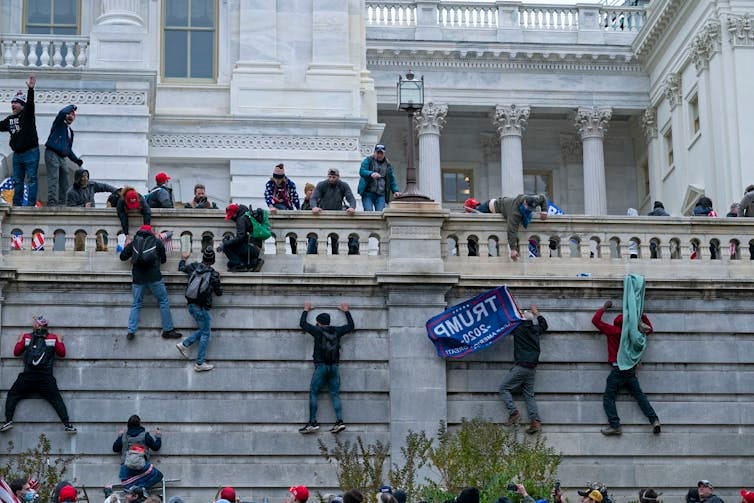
(511, 122)
(591, 123)
(120, 12)
(429, 123)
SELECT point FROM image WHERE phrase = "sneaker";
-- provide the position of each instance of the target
(7, 426)
(338, 427)
(514, 418)
(309, 428)
(183, 350)
(612, 431)
(258, 266)
(130, 336)
(534, 427)
(69, 428)
(171, 334)
(203, 367)
(656, 427)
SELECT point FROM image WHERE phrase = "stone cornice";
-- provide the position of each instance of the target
(511, 119)
(431, 118)
(705, 44)
(740, 30)
(255, 142)
(82, 97)
(672, 89)
(592, 122)
(649, 123)
(661, 15)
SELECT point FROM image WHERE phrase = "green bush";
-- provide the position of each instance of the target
(359, 466)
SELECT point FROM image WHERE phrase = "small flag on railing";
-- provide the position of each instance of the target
(38, 241)
(17, 241)
(167, 239)
(533, 248)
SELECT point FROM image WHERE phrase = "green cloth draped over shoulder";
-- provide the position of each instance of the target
(633, 343)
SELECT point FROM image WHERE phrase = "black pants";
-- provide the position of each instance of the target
(624, 379)
(242, 254)
(29, 383)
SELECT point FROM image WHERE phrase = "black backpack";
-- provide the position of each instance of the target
(198, 283)
(144, 250)
(39, 354)
(330, 345)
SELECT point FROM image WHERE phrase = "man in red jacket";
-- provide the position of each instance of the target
(622, 378)
(39, 349)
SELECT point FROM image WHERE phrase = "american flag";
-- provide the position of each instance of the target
(167, 239)
(6, 495)
(17, 241)
(7, 184)
(38, 241)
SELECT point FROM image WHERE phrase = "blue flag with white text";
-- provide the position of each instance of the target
(553, 210)
(474, 324)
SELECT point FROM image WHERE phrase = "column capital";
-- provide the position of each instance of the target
(705, 44)
(649, 123)
(511, 119)
(431, 118)
(591, 122)
(740, 30)
(672, 89)
(120, 12)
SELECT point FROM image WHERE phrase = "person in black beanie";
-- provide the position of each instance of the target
(22, 126)
(203, 280)
(326, 359)
(658, 210)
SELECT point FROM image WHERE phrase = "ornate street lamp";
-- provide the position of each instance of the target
(410, 97)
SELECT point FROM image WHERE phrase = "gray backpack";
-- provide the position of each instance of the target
(135, 451)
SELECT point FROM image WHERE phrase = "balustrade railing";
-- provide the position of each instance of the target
(53, 51)
(622, 19)
(391, 14)
(544, 17)
(467, 15)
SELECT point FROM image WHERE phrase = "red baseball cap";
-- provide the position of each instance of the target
(300, 493)
(231, 211)
(67, 493)
(146, 227)
(228, 493)
(132, 199)
(748, 496)
(161, 178)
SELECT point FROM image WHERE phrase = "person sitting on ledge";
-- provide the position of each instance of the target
(81, 193)
(516, 211)
(129, 201)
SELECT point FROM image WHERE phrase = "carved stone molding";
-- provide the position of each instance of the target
(649, 123)
(82, 97)
(256, 142)
(740, 30)
(672, 90)
(571, 148)
(366, 149)
(511, 120)
(705, 44)
(431, 118)
(490, 146)
(591, 122)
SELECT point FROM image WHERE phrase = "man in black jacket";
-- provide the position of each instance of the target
(526, 357)
(326, 359)
(329, 195)
(241, 250)
(707, 492)
(203, 280)
(24, 142)
(82, 191)
(147, 253)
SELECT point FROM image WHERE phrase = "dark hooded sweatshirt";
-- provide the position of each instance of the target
(22, 127)
(143, 274)
(79, 196)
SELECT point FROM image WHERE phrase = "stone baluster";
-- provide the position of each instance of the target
(57, 56)
(7, 54)
(83, 55)
(591, 123)
(70, 54)
(511, 122)
(44, 58)
(585, 248)
(20, 54)
(429, 123)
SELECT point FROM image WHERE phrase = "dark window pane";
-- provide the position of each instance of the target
(176, 13)
(39, 11)
(37, 30)
(65, 12)
(449, 187)
(202, 54)
(64, 30)
(202, 13)
(176, 53)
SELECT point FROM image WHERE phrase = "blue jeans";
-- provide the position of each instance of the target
(25, 164)
(161, 294)
(372, 201)
(617, 380)
(329, 375)
(203, 320)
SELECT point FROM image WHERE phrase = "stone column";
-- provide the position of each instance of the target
(591, 122)
(120, 12)
(429, 122)
(511, 122)
(649, 125)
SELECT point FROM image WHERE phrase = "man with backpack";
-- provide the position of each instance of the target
(146, 253)
(326, 359)
(243, 249)
(39, 349)
(134, 446)
(203, 280)
(161, 196)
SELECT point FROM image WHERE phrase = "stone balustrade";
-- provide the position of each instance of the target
(46, 51)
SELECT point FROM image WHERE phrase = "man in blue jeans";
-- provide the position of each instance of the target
(326, 360)
(376, 180)
(146, 253)
(24, 142)
(203, 280)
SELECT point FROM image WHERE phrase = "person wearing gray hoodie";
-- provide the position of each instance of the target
(82, 191)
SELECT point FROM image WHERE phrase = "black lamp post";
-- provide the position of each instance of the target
(410, 95)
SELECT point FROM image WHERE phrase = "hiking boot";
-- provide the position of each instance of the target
(338, 427)
(203, 367)
(183, 350)
(171, 334)
(130, 336)
(7, 426)
(514, 418)
(534, 427)
(656, 427)
(258, 266)
(611, 431)
(69, 428)
(310, 428)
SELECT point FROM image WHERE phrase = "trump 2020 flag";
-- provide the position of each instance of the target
(553, 210)
(474, 324)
